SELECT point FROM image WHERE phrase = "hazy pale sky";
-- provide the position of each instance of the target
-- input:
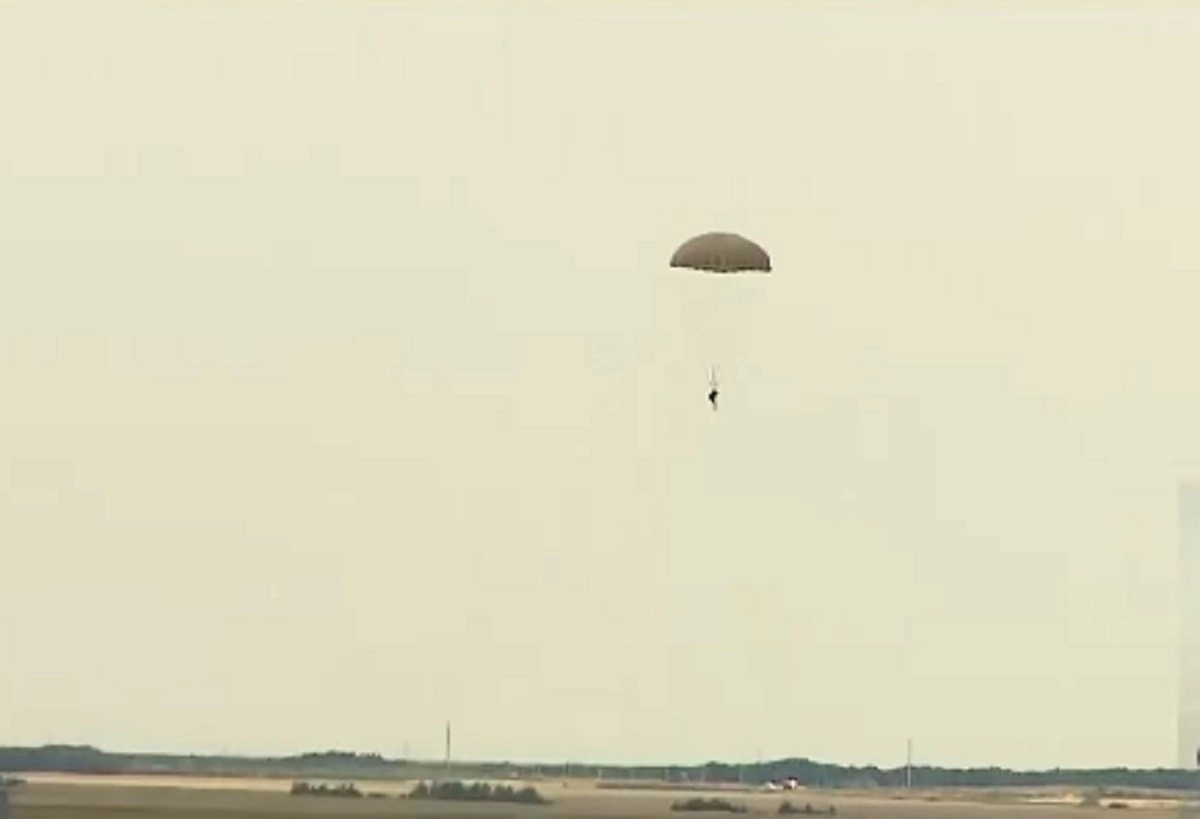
(346, 388)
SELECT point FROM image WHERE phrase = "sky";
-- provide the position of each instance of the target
(347, 388)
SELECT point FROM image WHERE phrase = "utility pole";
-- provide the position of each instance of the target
(447, 748)
(908, 769)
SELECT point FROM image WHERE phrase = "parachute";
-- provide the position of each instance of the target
(721, 253)
(715, 317)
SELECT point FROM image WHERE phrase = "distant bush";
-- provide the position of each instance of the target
(701, 805)
(1118, 805)
(476, 792)
(344, 790)
(787, 808)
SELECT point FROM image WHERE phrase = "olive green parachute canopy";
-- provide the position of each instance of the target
(721, 253)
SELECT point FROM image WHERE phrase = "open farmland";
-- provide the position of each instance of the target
(51, 796)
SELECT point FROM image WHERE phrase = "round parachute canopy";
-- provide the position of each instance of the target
(721, 253)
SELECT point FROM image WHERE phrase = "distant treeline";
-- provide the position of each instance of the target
(343, 790)
(476, 792)
(348, 765)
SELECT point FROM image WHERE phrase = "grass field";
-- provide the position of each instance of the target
(79, 797)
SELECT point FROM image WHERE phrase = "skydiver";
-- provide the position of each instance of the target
(712, 397)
